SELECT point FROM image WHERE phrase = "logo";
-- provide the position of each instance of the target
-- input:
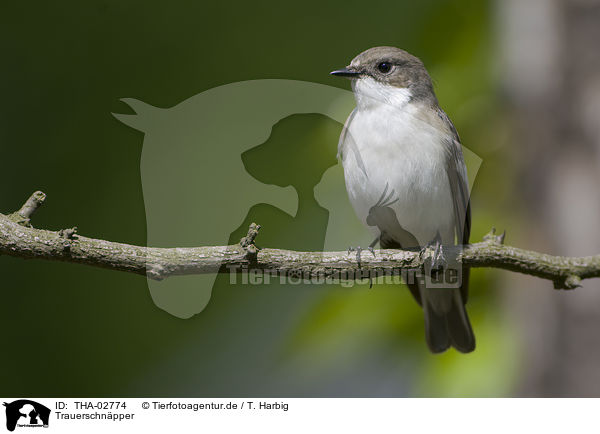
(26, 413)
(274, 142)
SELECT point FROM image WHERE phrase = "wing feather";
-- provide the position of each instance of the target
(459, 185)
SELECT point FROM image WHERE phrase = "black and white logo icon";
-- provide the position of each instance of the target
(26, 413)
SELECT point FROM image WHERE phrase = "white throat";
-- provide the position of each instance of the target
(370, 93)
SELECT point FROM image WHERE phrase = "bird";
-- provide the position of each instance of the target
(406, 179)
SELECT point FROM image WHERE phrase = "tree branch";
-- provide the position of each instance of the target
(18, 238)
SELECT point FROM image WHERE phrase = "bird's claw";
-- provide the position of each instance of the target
(358, 251)
(437, 258)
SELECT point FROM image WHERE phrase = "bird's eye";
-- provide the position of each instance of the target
(384, 67)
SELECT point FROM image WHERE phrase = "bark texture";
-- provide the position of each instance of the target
(18, 238)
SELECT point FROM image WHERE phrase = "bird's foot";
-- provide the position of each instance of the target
(359, 250)
(438, 260)
(437, 256)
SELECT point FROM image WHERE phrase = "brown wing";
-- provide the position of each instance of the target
(459, 185)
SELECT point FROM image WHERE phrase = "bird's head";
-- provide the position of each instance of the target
(389, 74)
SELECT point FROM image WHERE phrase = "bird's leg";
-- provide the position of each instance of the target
(438, 258)
(356, 249)
(359, 249)
(370, 248)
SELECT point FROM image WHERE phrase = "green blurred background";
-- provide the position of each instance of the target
(72, 330)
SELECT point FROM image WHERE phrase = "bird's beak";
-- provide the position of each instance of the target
(346, 72)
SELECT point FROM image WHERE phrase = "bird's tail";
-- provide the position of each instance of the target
(446, 320)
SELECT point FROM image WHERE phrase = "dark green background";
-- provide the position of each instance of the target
(71, 330)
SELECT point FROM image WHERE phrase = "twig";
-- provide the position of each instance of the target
(23, 216)
(18, 238)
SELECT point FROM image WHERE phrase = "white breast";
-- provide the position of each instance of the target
(386, 148)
